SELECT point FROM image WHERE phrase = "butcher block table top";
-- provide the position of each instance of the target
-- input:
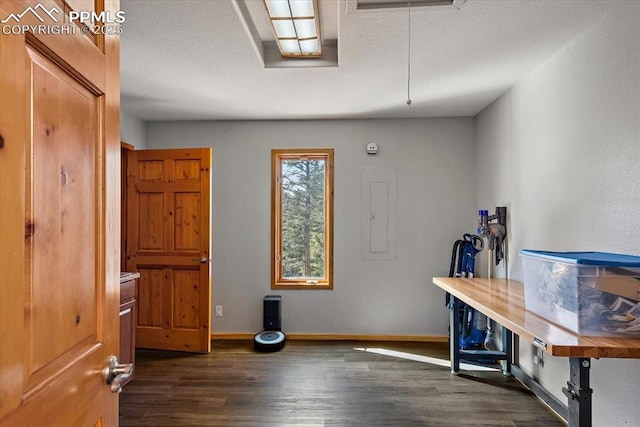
(503, 301)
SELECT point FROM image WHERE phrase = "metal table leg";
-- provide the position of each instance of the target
(507, 347)
(578, 392)
(454, 334)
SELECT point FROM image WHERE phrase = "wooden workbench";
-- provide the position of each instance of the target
(503, 301)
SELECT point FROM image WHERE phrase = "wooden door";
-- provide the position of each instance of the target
(168, 243)
(59, 226)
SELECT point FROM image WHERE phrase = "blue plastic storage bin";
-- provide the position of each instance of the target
(589, 293)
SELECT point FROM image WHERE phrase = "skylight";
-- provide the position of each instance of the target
(296, 25)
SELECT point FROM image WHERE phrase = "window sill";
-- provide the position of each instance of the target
(327, 286)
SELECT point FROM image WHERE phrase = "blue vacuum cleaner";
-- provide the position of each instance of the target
(473, 324)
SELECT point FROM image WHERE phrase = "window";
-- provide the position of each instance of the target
(302, 218)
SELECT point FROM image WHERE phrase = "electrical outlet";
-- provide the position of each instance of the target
(218, 311)
(538, 358)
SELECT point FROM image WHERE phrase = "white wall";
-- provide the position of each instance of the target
(436, 200)
(562, 151)
(132, 130)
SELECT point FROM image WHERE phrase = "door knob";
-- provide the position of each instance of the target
(116, 373)
(204, 260)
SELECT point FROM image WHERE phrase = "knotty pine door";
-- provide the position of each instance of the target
(169, 244)
(60, 221)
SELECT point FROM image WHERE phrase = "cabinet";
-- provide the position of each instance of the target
(128, 319)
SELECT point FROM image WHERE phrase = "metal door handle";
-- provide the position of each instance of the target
(115, 373)
(204, 260)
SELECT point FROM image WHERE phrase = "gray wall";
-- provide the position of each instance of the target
(436, 203)
(562, 150)
(132, 130)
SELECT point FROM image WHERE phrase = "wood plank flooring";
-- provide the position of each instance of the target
(317, 383)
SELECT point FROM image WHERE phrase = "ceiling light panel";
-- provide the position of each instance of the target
(302, 8)
(284, 28)
(306, 28)
(309, 46)
(296, 25)
(290, 48)
(278, 8)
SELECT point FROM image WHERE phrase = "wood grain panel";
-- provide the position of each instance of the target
(88, 5)
(14, 119)
(151, 170)
(187, 214)
(149, 300)
(503, 301)
(186, 170)
(151, 222)
(63, 180)
(186, 308)
(86, 398)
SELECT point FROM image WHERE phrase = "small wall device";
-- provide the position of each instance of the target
(372, 148)
(272, 338)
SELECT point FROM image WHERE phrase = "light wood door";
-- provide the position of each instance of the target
(168, 243)
(59, 227)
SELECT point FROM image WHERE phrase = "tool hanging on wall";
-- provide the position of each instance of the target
(494, 232)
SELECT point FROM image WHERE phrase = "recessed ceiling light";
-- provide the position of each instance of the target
(296, 25)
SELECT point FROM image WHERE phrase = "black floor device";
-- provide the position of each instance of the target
(272, 338)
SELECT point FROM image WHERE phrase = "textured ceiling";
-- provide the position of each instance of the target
(195, 60)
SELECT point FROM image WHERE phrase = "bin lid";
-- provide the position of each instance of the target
(605, 259)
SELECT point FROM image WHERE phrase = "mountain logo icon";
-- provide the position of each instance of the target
(34, 11)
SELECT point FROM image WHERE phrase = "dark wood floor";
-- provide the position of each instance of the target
(312, 383)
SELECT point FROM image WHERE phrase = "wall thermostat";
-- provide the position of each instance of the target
(372, 148)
